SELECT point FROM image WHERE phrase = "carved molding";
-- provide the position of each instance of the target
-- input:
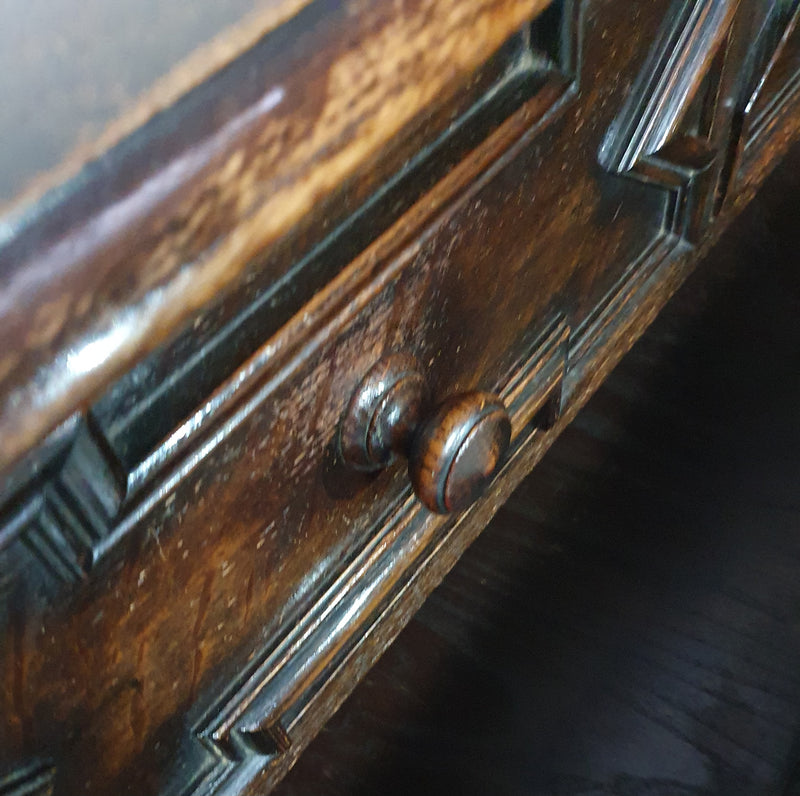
(667, 134)
(68, 506)
(667, 83)
(68, 510)
(251, 726)
(681, 126)
(776, 55)
(35, 779)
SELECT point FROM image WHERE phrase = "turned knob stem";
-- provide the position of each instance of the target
(453, 450)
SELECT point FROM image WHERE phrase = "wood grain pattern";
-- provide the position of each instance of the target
(248, 580)
(145, 486)
(76, 80)
(458, 450)
(94, 279)
(270, 425)
(626, 624)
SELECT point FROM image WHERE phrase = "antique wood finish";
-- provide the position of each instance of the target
(768, 111)
(682, 125)
(626, 624)
(191, 577)
(296, 133)
(384, 413)
(456, 452)
(453, 452)
(92, 519)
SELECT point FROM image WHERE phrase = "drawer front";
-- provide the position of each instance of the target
(230, 551)
(223, 557)
(185, 662)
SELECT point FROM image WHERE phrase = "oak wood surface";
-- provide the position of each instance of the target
(459, 450)
(234, 584)
(99, 273)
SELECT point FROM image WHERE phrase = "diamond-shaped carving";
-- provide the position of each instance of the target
(681, 125)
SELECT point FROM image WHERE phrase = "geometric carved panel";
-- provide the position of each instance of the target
(67, 508)
(680, 127)
(33, 780)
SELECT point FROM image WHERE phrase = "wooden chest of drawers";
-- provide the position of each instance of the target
(226, 324)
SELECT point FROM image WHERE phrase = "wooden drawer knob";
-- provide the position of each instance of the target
(453, 450)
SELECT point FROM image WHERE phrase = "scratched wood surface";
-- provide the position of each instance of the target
(297, 133)
(628, 624)
(216, 611)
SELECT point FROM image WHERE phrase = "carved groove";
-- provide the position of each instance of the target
(33, 780)
(69, 508)
(681, 128)
(777, 70)
(251, 727)
(145, 406)
(668, 82)
(668, 132)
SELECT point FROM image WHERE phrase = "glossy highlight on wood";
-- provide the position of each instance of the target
(191, 578)
(458, 450)
(109, 266)
(384, 413)
(453, 452)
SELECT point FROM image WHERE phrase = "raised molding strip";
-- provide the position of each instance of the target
(778, 78)
(697, 97)
(78, 502)
(69, 506)
(668, 82)
(35, 779)
(251, 726)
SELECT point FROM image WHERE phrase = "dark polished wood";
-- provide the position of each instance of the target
(453, 451)
(191, 577)
(457, 452)
(384, 413)
(226, 192)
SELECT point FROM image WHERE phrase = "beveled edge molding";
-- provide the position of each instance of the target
(644, 142)
(678, 61)
(34, 779)
(251, 726)
(593, 333)
(63, 514)
(113, 263)
(759, 121)
(702, 46)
